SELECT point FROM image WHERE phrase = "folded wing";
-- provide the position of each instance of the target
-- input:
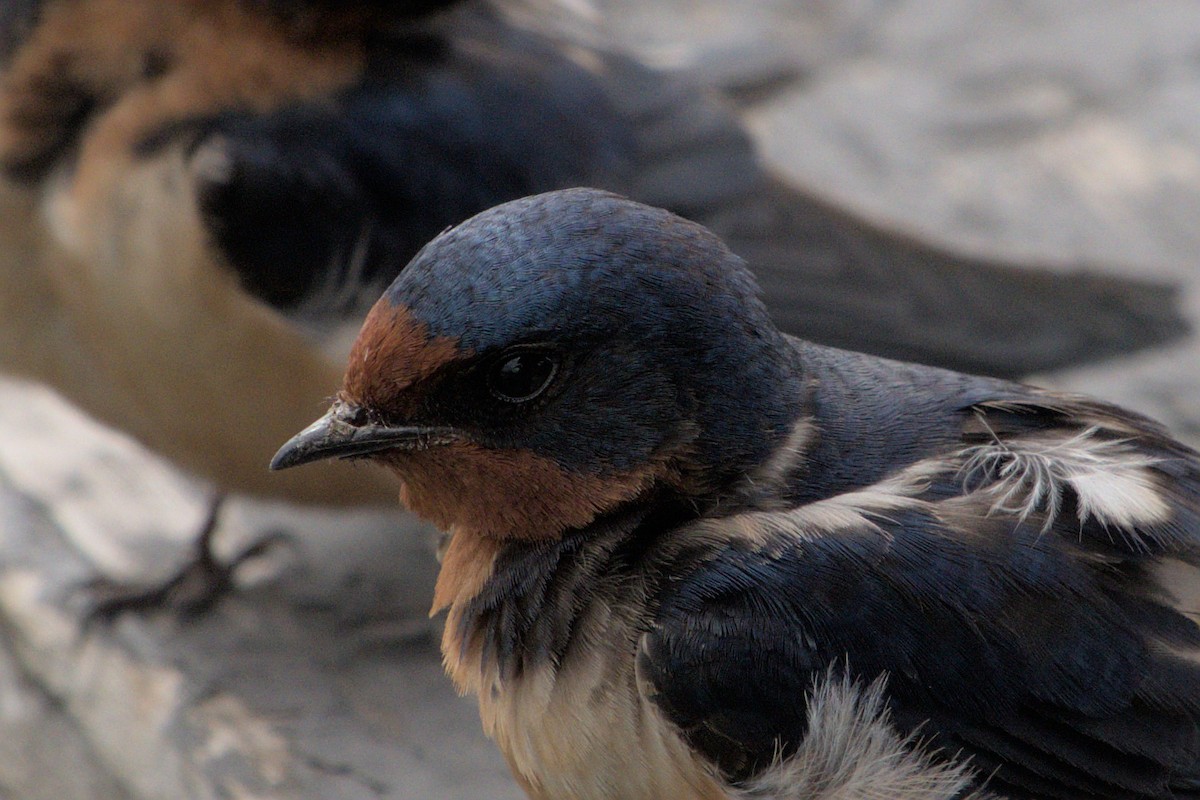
(1031, 600)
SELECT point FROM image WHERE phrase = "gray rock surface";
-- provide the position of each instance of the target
(1060, 131)
(318, 678)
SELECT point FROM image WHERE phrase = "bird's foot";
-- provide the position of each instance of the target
(192, 591)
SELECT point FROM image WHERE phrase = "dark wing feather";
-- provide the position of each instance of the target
(1051, 652)
(328, 201)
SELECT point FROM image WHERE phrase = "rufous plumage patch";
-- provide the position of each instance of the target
(466, 566)
(393, 352)
(510, 494)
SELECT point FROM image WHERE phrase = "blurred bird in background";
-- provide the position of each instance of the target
(694, 557)
(199, 195)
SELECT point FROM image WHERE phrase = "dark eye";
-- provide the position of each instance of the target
(521, 376)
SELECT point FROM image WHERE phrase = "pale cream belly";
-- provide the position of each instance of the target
(585, 733)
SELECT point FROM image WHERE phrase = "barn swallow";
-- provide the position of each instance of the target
(199, 197)
(694, 557)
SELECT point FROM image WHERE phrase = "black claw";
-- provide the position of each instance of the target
(191, 592)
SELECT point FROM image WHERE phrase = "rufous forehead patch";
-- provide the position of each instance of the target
(393, 352)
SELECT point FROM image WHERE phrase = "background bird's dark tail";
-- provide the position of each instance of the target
(869, 289)
(837, 279)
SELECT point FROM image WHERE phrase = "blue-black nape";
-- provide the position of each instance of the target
(569, 260)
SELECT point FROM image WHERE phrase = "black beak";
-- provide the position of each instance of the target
(342, 433)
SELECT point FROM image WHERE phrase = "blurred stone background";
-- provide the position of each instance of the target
(1060, 132)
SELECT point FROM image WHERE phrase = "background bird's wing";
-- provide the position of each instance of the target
(1049, 632)
(835, 278)
(319, 204)
(469, 110)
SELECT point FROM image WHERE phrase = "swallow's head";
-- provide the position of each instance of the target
(555, 357)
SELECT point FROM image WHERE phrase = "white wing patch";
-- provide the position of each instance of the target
(852, 752)
(863, 509)
(765, 485)
(1113, 481)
